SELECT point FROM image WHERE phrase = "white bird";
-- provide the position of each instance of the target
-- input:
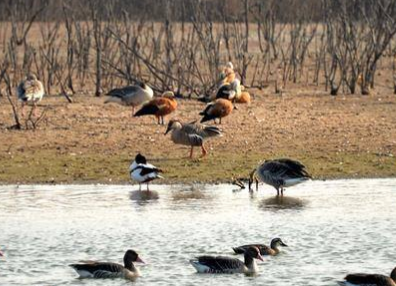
(131, 95)
(142, 172)
(30, 90)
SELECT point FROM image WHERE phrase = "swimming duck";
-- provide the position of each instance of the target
(143, 172)
(30, 90)
(160, 106)
(191, 134)
(264, 249)
(370, 279)
(131, 95)
(279, 173)
(217, 109)
(228, 265)
(95, 269)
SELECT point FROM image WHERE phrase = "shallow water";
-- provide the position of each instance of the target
(331, 227)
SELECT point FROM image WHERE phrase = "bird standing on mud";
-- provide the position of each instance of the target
(217, 109)
(279, 173)
(143, 172)
(131, 95)
(30, 90)
(191, 134)
(160, 107)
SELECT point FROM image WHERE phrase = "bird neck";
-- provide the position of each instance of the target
(250, 263)
(274, 246)
(129, 265)
(393, 275)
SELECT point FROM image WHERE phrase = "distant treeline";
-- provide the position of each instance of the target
(174, 10)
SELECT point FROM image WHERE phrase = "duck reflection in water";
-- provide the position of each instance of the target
(281, 202)
(143, 197)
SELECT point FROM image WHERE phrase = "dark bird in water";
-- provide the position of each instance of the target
(96, 269)
(228, 265)
(370, 279)
(279, 173)
(273, 249)
(217, 109)
(191, 134)
(159, 107)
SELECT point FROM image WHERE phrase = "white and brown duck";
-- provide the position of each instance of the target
(272, 250)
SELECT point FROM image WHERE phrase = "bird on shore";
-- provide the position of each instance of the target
(130, 95)
(142, 172)
(230, 91)
(279, 173)
(96, 269)
(30, 91)
(370, 279)
(272, 250)
(227, 75)
(217, 109)
(159, 107)
(228, 265)
(191, 134)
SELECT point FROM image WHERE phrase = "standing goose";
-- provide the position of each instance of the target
(30, 90)
(143, 172)
(217, 109)
(370, 279)
(264, 249)
(228, 265)
(95, 269)
(160, 106)
(131, 95)
(279, 173)
(191, 134)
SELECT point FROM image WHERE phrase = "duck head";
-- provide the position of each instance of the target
(140, 159)
(277, 242)
(131, 256)
(172, 125)
(254, 252)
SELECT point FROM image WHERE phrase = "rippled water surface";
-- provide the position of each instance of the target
(331, 227)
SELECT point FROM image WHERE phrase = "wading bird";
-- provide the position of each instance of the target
(142, 172)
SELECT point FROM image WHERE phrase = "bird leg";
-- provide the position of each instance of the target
(257, 182)
(133, 110)
(158, 119)
(147, 187)
(277, 190)
(163, 121)
(220, 120)
(191, 152)
(140, 186)
(23, 109)
(34, 109)
(204, 152)
(282, 189)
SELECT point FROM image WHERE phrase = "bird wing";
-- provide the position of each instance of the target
(283, 169)
(220, 263)
(241, 249)
(96, 266)
(201, 130)
(123, 92)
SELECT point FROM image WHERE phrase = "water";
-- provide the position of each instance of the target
(331, 227)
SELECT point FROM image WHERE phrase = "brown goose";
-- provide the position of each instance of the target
(217, 109)
(370, 279)
(30, 90)
(95, 269)
(228, 265)
(130, 95)
(279, 173)
(264, 249)
(191, 134)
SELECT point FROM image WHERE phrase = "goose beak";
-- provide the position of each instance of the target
(259, 257)
(1, 254)
(140, 260)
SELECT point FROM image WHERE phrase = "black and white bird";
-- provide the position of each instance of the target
(130, 95)
(30, 91)
(279, 173)
(96, 269)
(228, 265)
(142, 172)
(272, 250)
(369, 279)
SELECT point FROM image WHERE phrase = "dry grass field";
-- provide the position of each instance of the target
(89, 142)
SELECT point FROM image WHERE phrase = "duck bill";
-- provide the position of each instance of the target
(140, 260)
(1, 254)
(284, 244)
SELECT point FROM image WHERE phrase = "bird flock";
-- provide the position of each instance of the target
(279, 173)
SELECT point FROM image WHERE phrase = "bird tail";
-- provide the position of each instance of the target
(212, 131)
(238, 250)
(207, 117)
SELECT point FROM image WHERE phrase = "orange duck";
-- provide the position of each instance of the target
(217, 109)
(160, 107)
